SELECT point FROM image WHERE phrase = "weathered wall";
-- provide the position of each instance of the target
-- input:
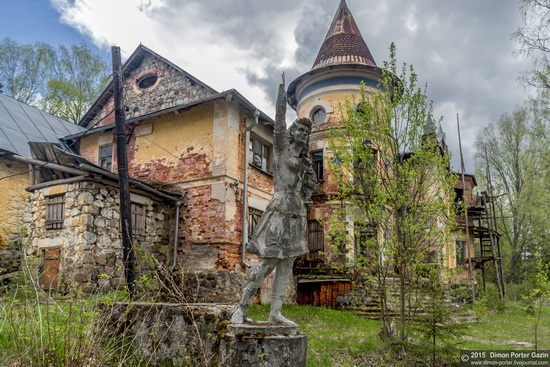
(91, 251)
(172, 89)
(12, 207)
(167, 334)
(200, 152)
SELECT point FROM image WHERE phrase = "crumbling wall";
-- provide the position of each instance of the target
(91, 249)
(12, 206)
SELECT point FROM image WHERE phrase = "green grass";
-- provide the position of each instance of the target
(333, 336)
(48, 330)
(501, 330)
(337, 338)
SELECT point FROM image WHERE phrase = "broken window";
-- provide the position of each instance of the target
(260, 154)
(254, 216)
(138, 219)
(106, 157)
(55, 206)
(315, 237)
(460, 251)
(318, 167)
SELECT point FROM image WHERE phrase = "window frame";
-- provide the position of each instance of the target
(138, 219)
(55, 212)
(314, 119)
(318, 164)
(266, 154)
(100, 159)
(253, 218)
(315, 238)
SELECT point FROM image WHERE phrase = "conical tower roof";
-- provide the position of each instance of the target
(343, 43)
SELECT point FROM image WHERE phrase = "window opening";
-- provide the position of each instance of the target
(147, 81)
(106, 157)
(319, 116)
(460, 251)
(138, 219)
(318, 167)
(260, 154)
(315, 238)
(55, 207)
(254, 216)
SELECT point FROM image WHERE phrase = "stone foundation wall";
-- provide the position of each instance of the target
(89, 240)
(168, 334)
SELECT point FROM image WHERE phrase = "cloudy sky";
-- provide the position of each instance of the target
(461, 49)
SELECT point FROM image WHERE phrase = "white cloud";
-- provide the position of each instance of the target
(462, 49)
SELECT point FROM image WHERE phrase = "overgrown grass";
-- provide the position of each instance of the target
(511, 329)
(333, 336)
(39, 330)
(337, 338)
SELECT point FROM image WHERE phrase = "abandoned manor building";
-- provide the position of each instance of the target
(201, 175)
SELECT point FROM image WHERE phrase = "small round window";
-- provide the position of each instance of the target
(319, 116)
(147, 81)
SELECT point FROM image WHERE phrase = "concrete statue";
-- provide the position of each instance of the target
(280, 235)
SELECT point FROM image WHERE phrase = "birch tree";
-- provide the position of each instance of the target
(393, 176)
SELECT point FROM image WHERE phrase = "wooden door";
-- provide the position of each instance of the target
(50, 267)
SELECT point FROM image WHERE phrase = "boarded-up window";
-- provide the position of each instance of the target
(315, 238)
(138, 219)
(106, 157)
(55, 206)
(254, 216)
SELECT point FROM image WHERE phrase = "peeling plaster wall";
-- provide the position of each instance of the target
(12, 211)
(197, 151)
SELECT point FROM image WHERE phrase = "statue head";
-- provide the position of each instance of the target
(298, 132)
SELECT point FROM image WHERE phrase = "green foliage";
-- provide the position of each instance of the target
(436, 332)
(78, 76)
(515, 153)
(64, 82)
(395, 187)
(538, 296)
(24, 69)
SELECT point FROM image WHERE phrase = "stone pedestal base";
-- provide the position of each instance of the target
(261, 344)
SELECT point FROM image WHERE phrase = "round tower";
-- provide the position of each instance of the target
(342, 64)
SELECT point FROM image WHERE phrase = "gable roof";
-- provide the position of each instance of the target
(133, 62)
(343, 43)
(21, 124)
(228, 94)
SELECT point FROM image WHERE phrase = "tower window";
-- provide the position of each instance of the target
(319, 116)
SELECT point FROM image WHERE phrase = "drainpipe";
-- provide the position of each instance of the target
(176, 235)
(245, 186)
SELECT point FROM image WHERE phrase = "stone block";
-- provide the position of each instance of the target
(263, 344)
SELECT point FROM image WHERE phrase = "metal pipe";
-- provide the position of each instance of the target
(245, 187)
(176, 235)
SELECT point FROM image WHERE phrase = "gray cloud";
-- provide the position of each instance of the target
(462, 49)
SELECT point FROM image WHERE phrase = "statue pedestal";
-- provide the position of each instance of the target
(263, 344)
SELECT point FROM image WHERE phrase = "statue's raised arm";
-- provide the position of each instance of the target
(279, 135)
